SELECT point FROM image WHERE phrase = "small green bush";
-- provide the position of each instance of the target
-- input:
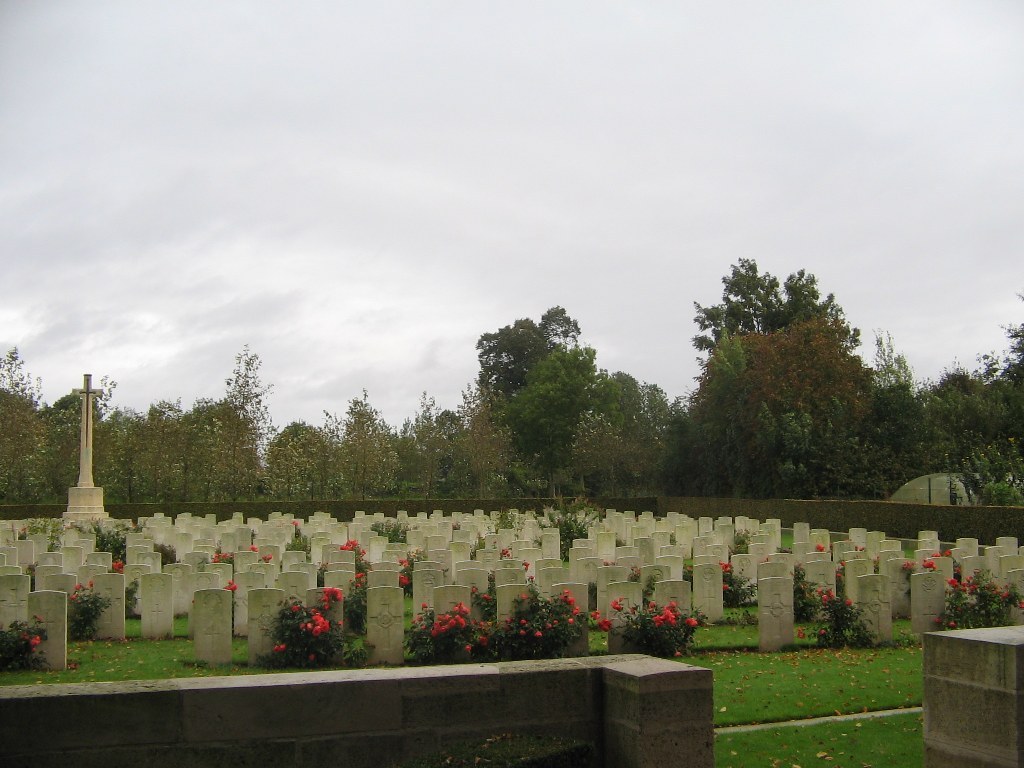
(18, 645)
(84, 610)
(842, 623)
(978, 602)
(539, 627)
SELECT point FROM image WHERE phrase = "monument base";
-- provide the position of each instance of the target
(85, 504)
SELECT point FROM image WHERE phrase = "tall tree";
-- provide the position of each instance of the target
(781, 412)
(546, 414)
(21, 430)
(510, 353)
(483, 444)
(368, 453)
(753, 302)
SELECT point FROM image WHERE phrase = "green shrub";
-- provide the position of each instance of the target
(842, 622)
(84, 610)
(805, 596)
(659, 631)
(392, 530)
(305, 638)
(539, 627)
(446, 638)
(18, 645)
(978, 602)
(737, 592)
(510, 751)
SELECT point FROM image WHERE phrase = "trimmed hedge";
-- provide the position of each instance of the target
(510, 751)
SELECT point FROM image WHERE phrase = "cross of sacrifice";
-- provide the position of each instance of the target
(88, 395)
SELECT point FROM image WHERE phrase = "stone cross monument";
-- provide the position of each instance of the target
(85, 501)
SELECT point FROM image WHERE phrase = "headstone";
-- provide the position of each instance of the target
(52, 610)
(448, 596)
(294, 584)
(707, 591)
(927, 601)
(873, 598)
(821, 573)
(245, 582)
(264, 605)
(629, 595)
(14, 591)
(774, 613)
(385, 607)
(854, 570)
(156, 598)
(674, 591)
(111, 622)
(211, 623)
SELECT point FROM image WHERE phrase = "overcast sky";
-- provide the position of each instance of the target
(359, 190)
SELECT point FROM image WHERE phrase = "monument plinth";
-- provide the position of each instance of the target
(85, 501)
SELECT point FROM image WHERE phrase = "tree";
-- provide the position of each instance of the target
(294, 462)
(545, 415)
(482, 445)
(755, 303)
(367, 452)
(895, 433)
(428, 440)
(779, 413)
(120, 463)
(1014, 369)
(621, 452)
(509, 354)
(21, 430)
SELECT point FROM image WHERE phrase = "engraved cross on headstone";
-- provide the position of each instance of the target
(88, 395)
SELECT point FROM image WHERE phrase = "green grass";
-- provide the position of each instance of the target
(768, 687)
(884, 742)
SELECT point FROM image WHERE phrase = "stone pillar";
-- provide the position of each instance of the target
(974, 698)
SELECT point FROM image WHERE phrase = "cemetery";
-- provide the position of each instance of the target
(411, 622)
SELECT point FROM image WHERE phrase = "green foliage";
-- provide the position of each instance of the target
(369, 461)
(546, 414)
(408, 567)
(805, 596)
(355, 605)
(977, 602)
(84, 610)
(391, 529)
(111, 538)
(510, 751)
(737, 592)
(842, 623)
(755, 303)
(571, 524)
(448, 637)
(485, 603)
(304, 637)
(18, 643)
(51, 528)
(664, 631)
(539, 627)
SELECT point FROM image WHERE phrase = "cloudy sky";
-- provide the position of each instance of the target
(359, 190)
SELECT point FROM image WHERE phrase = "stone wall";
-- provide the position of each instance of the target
(974, 698)
(639, 711)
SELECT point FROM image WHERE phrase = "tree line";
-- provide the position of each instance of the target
(784, 407)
